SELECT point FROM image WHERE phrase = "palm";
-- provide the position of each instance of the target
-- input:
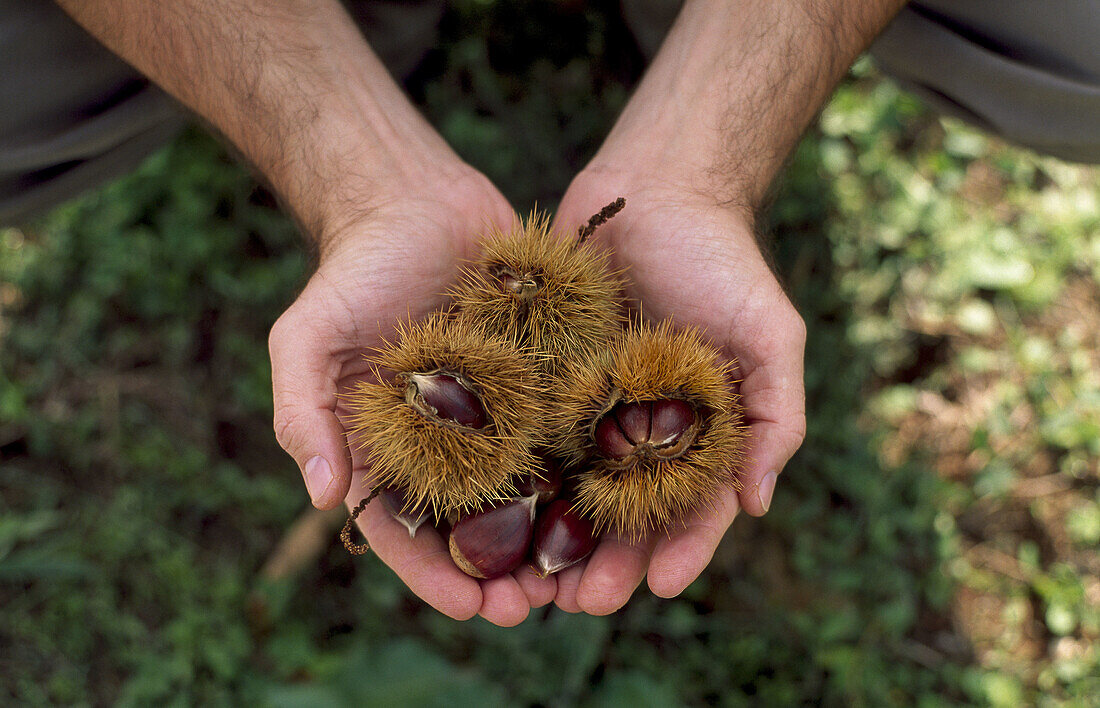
(395, 267)
(689, 262)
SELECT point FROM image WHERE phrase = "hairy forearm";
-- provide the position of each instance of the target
(734, 86)
(291, 83)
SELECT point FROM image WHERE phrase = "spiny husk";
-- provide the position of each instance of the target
(576, 308)
(451, 468)
(649, 363)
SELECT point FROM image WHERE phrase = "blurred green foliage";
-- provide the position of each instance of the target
(934, 542)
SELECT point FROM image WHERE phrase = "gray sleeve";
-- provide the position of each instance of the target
(1028, 71)
(72, 115)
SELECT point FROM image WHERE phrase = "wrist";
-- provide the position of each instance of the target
(681, 128)
(364, 146)
(648, 178)
(443, 196)
(732, 89)
(330, 187)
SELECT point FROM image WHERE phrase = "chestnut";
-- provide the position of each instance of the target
(547, 484)
(524, 286)
(662, 429)
(397, 504)
(446, 397)
(562, 538)
(494, 541)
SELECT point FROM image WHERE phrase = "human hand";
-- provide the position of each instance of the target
(390, 263)
(689, 258)
(694, 152)
(294, 86)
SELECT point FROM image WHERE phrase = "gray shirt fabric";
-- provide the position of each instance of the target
(1029, 71)
(72, 115)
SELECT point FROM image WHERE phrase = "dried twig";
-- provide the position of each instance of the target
(357, 549)
(602, 217)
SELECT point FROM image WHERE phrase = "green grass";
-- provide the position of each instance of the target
(933, 543)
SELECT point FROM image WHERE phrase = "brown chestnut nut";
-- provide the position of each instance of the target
(562, 538)
(547, 484)
(524, 286)
(492, 542)
(447, 398)
(662, 429)
(397, 503)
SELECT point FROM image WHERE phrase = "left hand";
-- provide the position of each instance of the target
(380, 266)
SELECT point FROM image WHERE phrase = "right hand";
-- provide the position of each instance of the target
(689, 258)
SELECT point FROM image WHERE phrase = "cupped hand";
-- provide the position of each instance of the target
(690, 258)
(387, 263)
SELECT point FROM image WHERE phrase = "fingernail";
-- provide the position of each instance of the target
(765, 489)
(318, 476)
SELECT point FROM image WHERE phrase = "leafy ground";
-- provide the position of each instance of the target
(934, 542)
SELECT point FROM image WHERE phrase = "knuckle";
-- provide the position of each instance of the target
(279, 331)
(286, 425)
(797, 328)
(792, 327)
(798, 429)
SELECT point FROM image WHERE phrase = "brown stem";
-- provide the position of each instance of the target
(357, 549)
(602, 217)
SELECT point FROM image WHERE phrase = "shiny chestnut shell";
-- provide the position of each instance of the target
(494, 541)
(562, 538)
(546, 484)
(447, 398)
(664, 429)
(396, 502)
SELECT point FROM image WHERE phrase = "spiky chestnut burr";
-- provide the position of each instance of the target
(562, 538)
(452, 417)
(551, 293)
(489, 543)
(654, 422)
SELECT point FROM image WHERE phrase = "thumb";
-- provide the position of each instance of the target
(303, 376)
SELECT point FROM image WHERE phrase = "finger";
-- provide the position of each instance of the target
(569, 580)
(539, 591)
(614, 571)
(422, 562)
(775, 408)
(771, 446)
(679, 557)
(504, 603)
(303, 374)
(774, 400)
